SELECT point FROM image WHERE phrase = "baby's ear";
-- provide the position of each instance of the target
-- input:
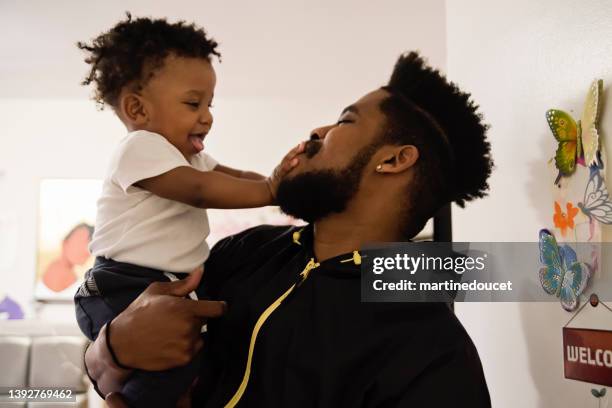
(133, 109)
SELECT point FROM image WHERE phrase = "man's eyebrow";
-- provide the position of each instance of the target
(350, 108)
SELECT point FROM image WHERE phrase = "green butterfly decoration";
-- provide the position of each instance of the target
(578, 141)
(567, 132)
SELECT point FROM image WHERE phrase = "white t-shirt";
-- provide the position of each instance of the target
(136, 226)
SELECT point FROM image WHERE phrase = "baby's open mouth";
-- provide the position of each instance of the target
(197, 140)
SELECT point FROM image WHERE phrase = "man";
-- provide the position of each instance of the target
(296, 333)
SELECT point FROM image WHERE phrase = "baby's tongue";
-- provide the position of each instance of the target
(197, 143)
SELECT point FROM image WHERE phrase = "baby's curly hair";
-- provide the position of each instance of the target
(426, 110)
(130, 53)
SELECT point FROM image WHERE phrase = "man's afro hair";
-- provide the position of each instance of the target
(459, 120)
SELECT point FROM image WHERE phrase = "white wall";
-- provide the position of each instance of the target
(520, 58)
(288, 66)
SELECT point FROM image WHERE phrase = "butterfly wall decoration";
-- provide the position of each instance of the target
(578, 142)
(561, 274)
(596, 204)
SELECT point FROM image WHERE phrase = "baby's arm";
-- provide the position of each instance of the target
(218, 189)
(243, 174)
(209, 189)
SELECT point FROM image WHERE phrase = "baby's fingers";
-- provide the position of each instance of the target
(288, 165)
(295, 151)
(291, 160)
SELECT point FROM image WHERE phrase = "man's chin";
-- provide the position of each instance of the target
(312, 196)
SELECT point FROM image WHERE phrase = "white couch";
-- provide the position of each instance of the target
(35, 354)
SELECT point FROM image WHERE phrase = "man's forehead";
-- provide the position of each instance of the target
(368, 104)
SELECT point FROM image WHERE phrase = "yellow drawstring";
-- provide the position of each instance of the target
(260, 321)
(356, 258)
(296, 236)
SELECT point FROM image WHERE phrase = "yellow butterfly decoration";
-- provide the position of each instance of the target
(578, 141)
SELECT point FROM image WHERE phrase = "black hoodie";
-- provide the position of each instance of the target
(299, 336)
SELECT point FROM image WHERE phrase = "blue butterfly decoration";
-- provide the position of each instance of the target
(561, 274)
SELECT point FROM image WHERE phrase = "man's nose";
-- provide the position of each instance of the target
(319, 133)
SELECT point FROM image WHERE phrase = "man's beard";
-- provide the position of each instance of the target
(314, 195)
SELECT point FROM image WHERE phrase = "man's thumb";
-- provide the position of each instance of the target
(185, 286)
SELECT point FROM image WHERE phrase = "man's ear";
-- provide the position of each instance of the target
(134, 109)
(401, 158)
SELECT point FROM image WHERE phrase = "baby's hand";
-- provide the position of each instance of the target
(285, 166)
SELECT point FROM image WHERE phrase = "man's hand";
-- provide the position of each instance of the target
(161, 329)
(285, 166)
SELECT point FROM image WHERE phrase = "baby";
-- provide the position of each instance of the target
(151, 223)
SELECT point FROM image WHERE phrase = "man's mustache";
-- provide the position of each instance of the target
(312, 147)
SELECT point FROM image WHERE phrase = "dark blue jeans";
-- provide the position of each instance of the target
(144, 388)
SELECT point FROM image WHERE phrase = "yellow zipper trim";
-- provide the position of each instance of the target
(260, 321)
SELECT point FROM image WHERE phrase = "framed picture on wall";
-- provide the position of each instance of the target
(66, 218)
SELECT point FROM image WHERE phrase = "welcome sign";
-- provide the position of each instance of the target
(587, 355)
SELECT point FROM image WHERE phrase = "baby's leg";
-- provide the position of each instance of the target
(160, 389)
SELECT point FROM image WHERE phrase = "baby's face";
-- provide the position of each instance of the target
(178, 99)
